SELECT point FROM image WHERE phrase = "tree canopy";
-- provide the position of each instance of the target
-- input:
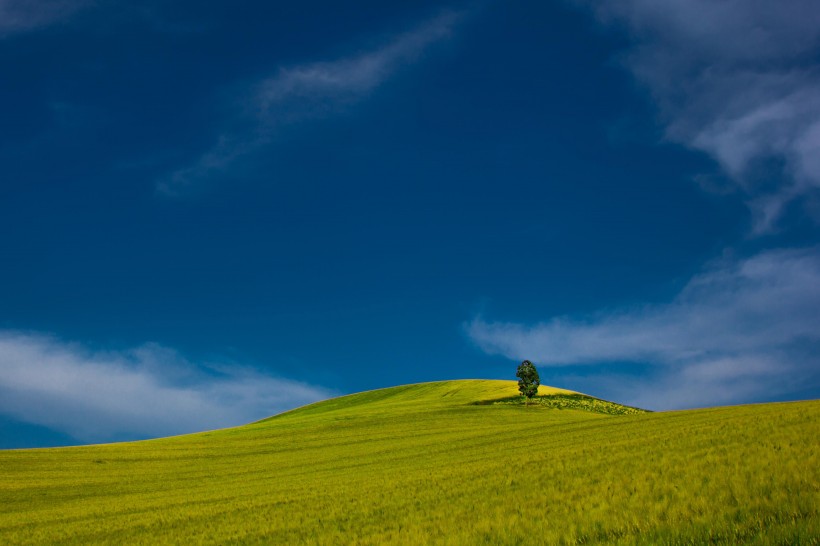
(528, 380)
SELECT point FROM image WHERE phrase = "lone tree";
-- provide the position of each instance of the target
(528, 379)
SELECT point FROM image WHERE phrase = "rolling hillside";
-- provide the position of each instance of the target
(436, 463)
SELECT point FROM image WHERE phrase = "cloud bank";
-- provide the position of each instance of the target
(18, 16)
(738, 80)
(149, 391)
(305, 92)
(739, 331)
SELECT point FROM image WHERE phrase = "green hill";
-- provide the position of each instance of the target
(455, 462)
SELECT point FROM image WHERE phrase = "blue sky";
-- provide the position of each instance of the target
(211, 213)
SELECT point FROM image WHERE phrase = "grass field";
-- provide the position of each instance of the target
(428, 464)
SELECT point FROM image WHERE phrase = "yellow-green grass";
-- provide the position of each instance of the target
(425, 464)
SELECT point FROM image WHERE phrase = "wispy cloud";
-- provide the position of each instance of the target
(739, 331)
(18, 16)
(305, 92)
(739, 80)
(144, 392)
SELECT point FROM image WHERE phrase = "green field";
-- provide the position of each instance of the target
(436, 463)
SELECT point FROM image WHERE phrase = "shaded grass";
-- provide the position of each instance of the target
(563, 401)
(422, 464)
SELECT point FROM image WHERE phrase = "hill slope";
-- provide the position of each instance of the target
(425, 463)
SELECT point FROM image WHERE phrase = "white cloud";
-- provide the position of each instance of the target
(351, 78)
(739, 331)
(737, 79)
(25, 15)
(309, 91)
(145, 392)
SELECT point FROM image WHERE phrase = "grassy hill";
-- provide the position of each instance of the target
(436, 463)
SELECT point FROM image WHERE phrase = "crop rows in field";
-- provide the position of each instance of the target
(423, 464)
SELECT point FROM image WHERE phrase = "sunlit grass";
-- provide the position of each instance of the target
(424, 464)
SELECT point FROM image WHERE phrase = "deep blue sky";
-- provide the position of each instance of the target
(211, 213)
